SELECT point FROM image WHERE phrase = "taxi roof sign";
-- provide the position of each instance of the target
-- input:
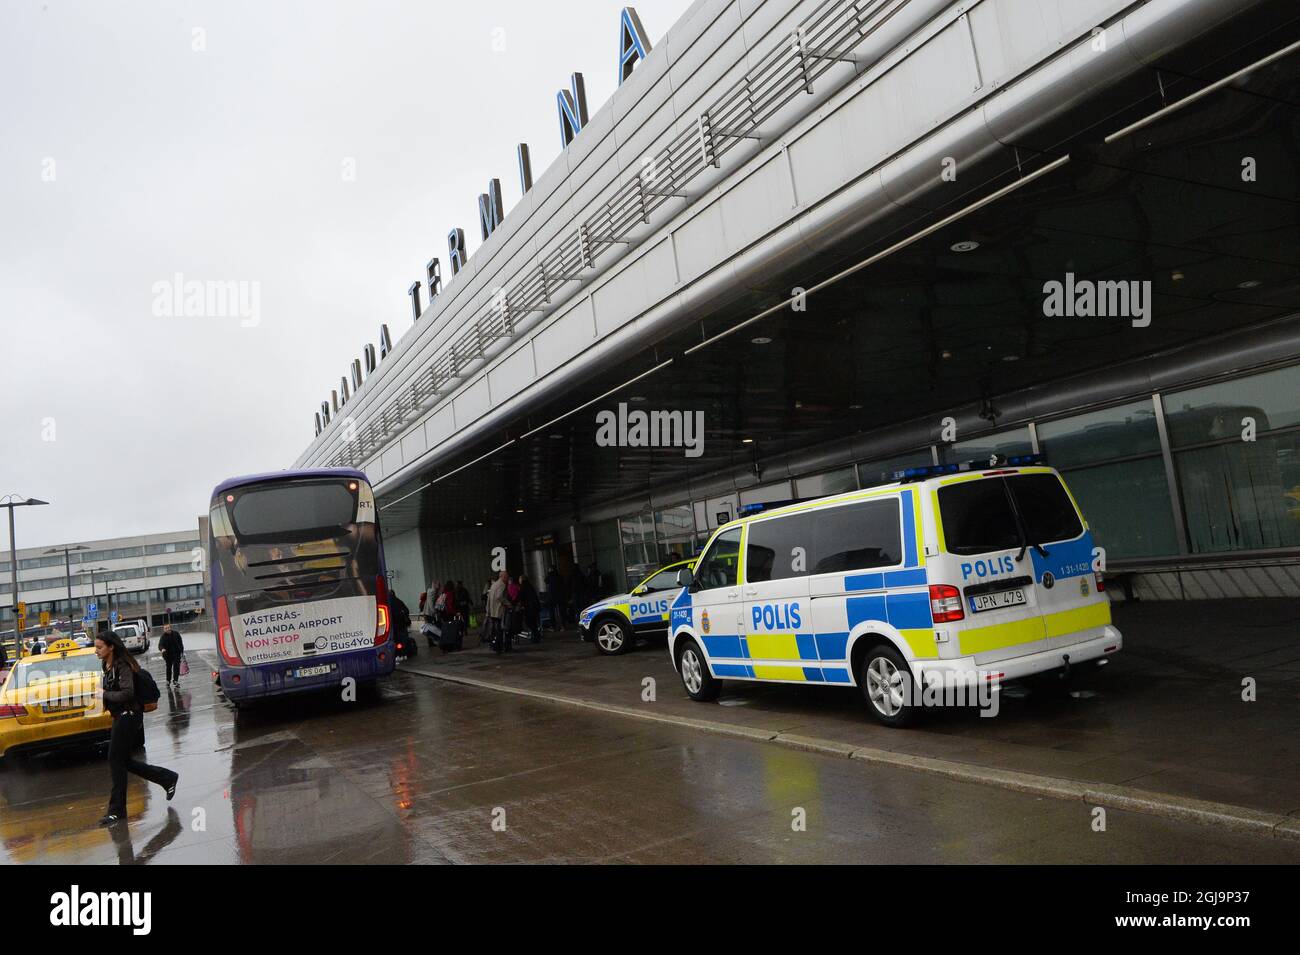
(63, 646)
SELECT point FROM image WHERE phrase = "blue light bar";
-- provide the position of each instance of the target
(996, 461)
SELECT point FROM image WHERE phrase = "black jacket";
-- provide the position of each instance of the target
(171, 645)
(119, 687)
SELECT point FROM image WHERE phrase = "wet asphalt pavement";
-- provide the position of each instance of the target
(431, 772)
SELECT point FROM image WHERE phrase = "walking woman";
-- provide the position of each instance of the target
(128, 724)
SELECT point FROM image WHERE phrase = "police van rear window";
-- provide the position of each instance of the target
(978, 516)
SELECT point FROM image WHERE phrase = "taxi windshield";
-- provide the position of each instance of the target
(28, 674)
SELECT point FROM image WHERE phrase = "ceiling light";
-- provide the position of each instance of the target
(966, 245)
(855, 407)
(1177, 276)
(761, 340)
(945, 354)
(1250, 283)
(519, 510)
(746, 440)
(557, 437)
(1011, 358)
(637, 398)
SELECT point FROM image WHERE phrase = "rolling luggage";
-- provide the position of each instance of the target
(452, 637)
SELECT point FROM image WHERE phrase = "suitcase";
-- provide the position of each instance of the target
(453, 636)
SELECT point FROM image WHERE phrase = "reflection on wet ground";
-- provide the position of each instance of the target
(431, 772)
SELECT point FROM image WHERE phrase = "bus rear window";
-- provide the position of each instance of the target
(290, 510)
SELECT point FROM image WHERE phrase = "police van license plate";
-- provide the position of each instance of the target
(320, 670)
(998, 601)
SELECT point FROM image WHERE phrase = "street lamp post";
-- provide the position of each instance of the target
(67, 571)
(11, 501)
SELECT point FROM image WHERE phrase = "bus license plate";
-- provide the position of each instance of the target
(998, 601)
(313, 671)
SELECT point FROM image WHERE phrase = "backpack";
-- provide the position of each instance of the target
(146, 690)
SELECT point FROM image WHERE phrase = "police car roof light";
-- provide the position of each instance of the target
(997, 460)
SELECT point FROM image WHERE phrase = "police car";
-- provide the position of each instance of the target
(53, 698)
(967, 574)
(616, 623)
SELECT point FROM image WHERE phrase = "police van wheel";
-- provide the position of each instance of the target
(886, 680)
(700, 684)
(612, 637)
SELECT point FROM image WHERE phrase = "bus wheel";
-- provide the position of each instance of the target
(886, 682)
(700, 684)
(612, 637)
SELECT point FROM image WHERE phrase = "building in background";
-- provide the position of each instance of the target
(149, 575)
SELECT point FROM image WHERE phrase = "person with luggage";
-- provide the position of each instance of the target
(449, 620)
(498, 607)
(531, 607)
(402, 639)
(122, 677)
(172, 648)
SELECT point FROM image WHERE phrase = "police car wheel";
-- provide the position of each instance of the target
(700, 684)
(886, 681)
(612, 637)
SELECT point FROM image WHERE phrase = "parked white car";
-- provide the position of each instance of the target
(133, 638)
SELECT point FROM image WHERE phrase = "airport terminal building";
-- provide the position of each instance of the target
(810, 242)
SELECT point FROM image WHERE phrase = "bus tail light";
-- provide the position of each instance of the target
(226, 635)
(945, 603)
(382, 626)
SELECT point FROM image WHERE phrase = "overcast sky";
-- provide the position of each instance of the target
(317, 152)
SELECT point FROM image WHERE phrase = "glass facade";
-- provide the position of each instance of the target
(1112, 462)
(1236, 452)
(1233, 451)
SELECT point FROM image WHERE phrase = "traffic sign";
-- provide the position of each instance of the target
(45, 618)
(21, 607)
(92, 611)
(112, 616)
(20, 623)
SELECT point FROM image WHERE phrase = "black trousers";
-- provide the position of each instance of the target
(173, 667)
(128, 729)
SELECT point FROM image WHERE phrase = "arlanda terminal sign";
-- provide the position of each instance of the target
(571, 108)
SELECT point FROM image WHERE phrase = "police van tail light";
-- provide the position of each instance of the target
(1101, 581)
(945, 603)
(226, 635)
(382, 625)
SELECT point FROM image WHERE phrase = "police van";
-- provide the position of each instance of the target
(963, 574)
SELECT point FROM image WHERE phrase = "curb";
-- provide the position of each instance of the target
(1128, 799)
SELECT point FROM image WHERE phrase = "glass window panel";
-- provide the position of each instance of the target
(676, 532)
(1099, 436)
(766, 493)
(1015, 441)
(718, 566)
(1215, 411)
(1127, 506)
(1242, 496)
(820, 485)
(873, 473)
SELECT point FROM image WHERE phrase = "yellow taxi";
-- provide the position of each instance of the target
(52, 698)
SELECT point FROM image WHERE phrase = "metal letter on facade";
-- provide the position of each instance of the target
(414, 292)
(433, 275)
(385, 342)
(633, 45)
(325, 412)
(319, 428)
(572, 104)
(489, 208)
(525, 168)
(356, 374)
(368, 355)
(456, 250)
